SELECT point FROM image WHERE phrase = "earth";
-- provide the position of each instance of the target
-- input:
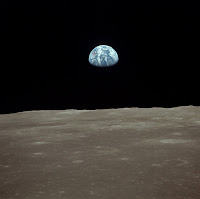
(103, 56)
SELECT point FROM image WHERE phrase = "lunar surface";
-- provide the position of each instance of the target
(126, 153)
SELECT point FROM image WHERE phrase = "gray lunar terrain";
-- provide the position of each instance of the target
(126, 153)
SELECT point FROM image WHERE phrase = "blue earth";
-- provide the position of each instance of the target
(103, 56)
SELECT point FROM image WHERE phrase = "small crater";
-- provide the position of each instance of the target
(37, 154)
(172, 162)
(77, 152)
(124, 159)
(39, 143)
(77, 161)
(179, 134)
(82, 136)
(6, 166)
(91, 192)
(172, 141)
(156, 165)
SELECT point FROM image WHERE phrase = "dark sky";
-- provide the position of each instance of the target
(46, 47)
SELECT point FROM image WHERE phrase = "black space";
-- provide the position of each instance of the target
(46, 45)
